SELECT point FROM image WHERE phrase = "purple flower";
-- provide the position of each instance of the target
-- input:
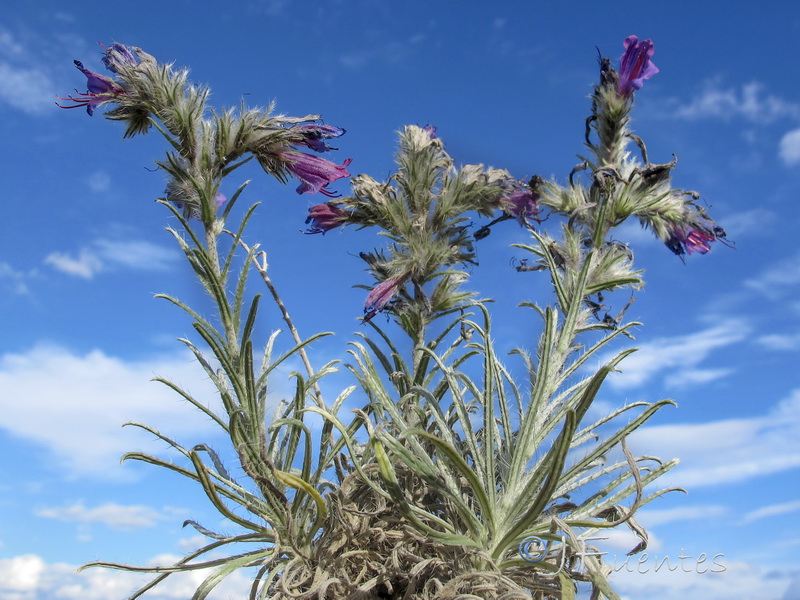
(431, 131)
(324, 217)
(100, 88)
(314, 173)
(314, 134)
(695, 237)
(522, 204)
(380, 295)
(686, 241)
(117, 57)
(635, 65)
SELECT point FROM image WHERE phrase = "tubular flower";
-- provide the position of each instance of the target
(431, 131)
(117, 57)
(695, 237)
(380, 295)
(635, 65)
(101, 88)
(324, 217)
(313, 135)
(522, 204)
(313, 172)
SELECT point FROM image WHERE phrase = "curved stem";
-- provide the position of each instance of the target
(260, 262)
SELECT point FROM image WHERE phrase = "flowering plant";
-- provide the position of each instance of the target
(435, 485)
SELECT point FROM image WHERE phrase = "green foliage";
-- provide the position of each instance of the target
(453, 458)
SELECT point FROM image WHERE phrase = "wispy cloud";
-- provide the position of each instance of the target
(14, 281)
(108, 255)
(25, 80)
(771, 511)
(756, 221)
(789, 148)
(26, 89)
(705, 580)
(655, 517)
(115, 516)
(728, 450)
(391, 52)
(780, 278)
(690, 377)
(749, 102)
(86, 264)
(99, 182)
(74, 405)
(624, 539)
(780, 341)
(9, 46)
(679, 356)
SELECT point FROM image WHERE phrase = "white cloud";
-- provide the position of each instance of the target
(25, 573)
(32, 68)
(653, 517)
(678, 356)
(393, 52)
(634, 234)
(690, 377)
(13, 280)
(728, 450)
(779, 278)
(86, 265)
(755, 221)
(617, 542)
(191, 544)
(789, 148)
(29, 577)
(750, 103)
(104, 254)
(74, 405)
(27, 89)
(99, 182)
(9, 46)
(115, 516)
(135, 254)
(691, 579)
(771, 511)
(779, 341)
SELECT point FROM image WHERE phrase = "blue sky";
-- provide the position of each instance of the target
(83, 250)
